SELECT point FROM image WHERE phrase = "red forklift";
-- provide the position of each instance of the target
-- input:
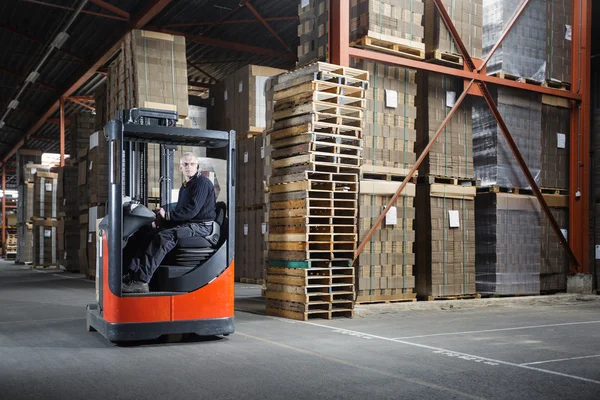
(192, 292)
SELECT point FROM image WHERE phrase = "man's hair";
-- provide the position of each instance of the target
(191, 155)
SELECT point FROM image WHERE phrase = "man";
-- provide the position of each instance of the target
(192, 216)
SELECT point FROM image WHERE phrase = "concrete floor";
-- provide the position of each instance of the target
(529, 349)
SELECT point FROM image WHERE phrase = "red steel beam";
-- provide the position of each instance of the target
(62, 131)
(392, 201)
(42, 3)
(202, 71)
(579, 141)
(227, 45)
(140, 21)
(91, 99)
(405, 62)
(231, 22)
(40, 42)
(339, 32)
(81, 103)
(266, 24)
(114, 9)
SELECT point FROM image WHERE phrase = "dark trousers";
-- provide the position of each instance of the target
(147, 248)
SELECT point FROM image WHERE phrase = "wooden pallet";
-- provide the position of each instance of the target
(308, 126)
(320, 140)
(444, 58)
(322, 71)
(309, 211)
(324, 149)
(376, 172)
(447, 180)
(499, 189)
(252, 281)
(313, 276)
(555, 191)
(399, 47)
(382, 299)
(319, 100)
(549, 83)
(504, 75)
(322, 110)
(317, 167)
(278, 178)
(321, 91)
(310, 263)
(453, 297)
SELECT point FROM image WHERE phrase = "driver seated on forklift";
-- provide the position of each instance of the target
(192, 216)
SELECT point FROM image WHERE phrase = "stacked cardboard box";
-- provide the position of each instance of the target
(250, 262)
(389, 127)
(68, 224)
(555, 261)
(388, 22)
(150, 72)
(102, 114)
(313, 31)
(555, 147)
(80, 130)
(507, 257)
(467, 17)
(452, 153)
(522, 53)
(97, 159)
(385, 266)
(238, 103)
(495, 163)
(45, 223)
(445, 240)
(313, 191)
(559, 20)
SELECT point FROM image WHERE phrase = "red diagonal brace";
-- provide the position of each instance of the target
(266, 24)
(509, 139)
(392, 201)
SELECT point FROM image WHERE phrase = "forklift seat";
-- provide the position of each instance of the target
(190, 254)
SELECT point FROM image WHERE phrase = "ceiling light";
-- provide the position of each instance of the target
(59, 40)
(13, 104)
(32, 77)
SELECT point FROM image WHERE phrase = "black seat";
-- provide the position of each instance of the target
(193, 251)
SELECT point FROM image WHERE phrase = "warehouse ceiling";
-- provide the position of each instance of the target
(222, 36)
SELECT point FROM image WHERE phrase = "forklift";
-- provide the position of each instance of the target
(192, 292)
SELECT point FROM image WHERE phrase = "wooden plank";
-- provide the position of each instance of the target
(453, 191)
(386, 188)
(296, 315)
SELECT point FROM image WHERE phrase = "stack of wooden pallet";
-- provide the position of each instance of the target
(11, 246)
(315, 159)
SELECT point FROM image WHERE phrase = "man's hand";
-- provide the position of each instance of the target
(162, 213)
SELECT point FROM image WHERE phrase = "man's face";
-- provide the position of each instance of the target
(188, 167)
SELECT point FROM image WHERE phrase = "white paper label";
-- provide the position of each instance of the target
(598, 252)
(391, 98)
(48, 187)
(568, 32)
(94, 138)
(241, 87)
(561, 140)
(450, 99)
(212, 101)
(33, 171)
(304, 3)
(391, 218)
(89, 238)
(65, 257)
(454, 218)
(91, 163)
(245, 157)
(263, 228)
(47, 233)
(262, 152)
(225, 95)
(245, 229)
(564, 232)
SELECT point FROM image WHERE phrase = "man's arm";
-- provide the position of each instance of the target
(187, 211)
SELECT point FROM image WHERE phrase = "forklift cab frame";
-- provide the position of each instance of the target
(199, 299)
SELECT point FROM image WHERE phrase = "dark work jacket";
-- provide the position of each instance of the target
(196, 202)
